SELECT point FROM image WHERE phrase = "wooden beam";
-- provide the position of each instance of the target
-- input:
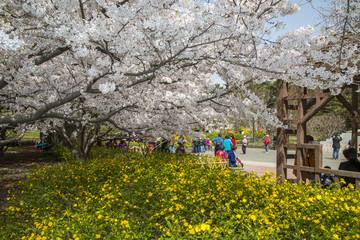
(316, 108)
(290, 131)
(300, 134)
(290, 145)
(290, 156)
(282, 92)
(307, 96)
(346, 104)
(292, 107)
(290, 121)
(355, 117)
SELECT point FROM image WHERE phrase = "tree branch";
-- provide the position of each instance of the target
(11, 140)
(50, 55)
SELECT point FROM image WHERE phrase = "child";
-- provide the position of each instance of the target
(231, 155)
(208, 144)
(326, 179)
(221, 153)
(239, 162)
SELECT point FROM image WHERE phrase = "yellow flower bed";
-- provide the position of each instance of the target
(166, 196)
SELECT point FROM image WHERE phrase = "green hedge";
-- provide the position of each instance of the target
(166, 196)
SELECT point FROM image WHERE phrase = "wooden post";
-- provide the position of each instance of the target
(355, 117)
(281, 134)
(318, 163)
(300, 134)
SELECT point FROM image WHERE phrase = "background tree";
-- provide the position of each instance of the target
(81, 61)
(325, 126)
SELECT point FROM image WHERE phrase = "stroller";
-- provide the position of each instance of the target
(44, 146)
(239, 163)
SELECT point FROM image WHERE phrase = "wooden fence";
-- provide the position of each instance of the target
(318, 169)
(216, 161)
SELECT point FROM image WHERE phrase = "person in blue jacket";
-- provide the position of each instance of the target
(227, 144)
(231, 157)
(217, 143)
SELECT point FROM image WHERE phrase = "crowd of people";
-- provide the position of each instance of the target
(224, 149)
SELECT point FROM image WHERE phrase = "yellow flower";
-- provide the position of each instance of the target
(192, 231)
(97, 236)
(252, 217)
(205, 226)
(335, 236)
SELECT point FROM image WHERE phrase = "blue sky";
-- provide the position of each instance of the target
(308, 15)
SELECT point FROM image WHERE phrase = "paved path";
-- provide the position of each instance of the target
(256, 160)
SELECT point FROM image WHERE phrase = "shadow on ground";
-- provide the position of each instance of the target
(18, 163)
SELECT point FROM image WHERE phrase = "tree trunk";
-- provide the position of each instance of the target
(2, 153)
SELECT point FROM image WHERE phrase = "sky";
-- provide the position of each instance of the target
(308, 15)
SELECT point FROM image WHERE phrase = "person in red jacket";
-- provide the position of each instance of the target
(266, 143)
(233, 140)
(221, 154)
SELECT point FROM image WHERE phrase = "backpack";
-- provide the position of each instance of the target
(218, 142)
(181, 140)
(197, 141)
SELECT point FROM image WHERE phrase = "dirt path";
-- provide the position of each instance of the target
(18, 163)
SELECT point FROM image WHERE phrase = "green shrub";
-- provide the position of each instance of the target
(65, 154)
(167, 196)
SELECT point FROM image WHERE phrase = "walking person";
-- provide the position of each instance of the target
(274, 141)
(172, 145)
(196, 143)
(217, 143)
(266, 143)
(244, 144)
(233, 140)
(336, 146)
(203, 145)
(227, 144)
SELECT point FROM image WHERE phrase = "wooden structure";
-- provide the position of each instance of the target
(306, 106)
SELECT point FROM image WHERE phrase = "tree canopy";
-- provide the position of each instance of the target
(144, 66)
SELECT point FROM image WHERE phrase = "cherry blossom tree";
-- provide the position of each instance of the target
(138, 65)
(328, 60)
